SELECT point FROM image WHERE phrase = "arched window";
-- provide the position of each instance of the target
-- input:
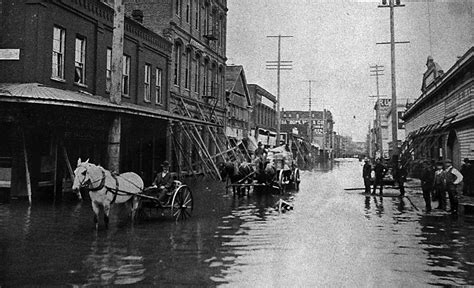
(187, 70)
(177, 64)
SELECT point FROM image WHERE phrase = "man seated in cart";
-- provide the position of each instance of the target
(163, 182)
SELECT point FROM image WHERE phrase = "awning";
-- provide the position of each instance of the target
(36, 93)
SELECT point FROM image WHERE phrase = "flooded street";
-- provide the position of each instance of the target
(331, 238)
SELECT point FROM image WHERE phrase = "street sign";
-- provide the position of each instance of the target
(9, 54)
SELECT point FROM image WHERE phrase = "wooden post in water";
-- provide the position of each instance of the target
(113, 147)
(27, 169)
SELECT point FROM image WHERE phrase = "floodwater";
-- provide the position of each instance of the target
(331, 238)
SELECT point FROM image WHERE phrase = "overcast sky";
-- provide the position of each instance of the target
(334, 44)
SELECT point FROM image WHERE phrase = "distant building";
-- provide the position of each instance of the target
(439, 124)
(263, 125)
(321, 124)
(239, 103)
(400, 127)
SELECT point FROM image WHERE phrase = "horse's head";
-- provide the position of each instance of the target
(226, 169)
(81, 175)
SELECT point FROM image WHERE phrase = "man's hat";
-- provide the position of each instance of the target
(448, 161)
(165, 164)
(466, 159)
(439, 163)
(259, 143)
(366, 159)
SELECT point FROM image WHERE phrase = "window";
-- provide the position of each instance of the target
(197, 74)
(108, 70)
(197, 17)
(177, 64)
(80, 61)
(57, 63)
(205, 78)
(204, 22)
(187, 70)
(188, 12)
(158, 81)
(178, 7)
(146, 83)
(126, 75)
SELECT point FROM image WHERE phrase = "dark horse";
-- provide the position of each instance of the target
(265, 172)
(237, 174)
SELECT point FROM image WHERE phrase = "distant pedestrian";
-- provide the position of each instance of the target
(467, 171)
(427, 183)
(440, 185)
(380, 171)
(366, 174)
(401, 174)
(453, 179)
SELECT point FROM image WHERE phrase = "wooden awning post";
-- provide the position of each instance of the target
(27, 169)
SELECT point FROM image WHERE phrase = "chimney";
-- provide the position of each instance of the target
(137, 15)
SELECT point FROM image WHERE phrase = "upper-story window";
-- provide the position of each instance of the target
(146, 83)
(177, 64)
(187, 71)
(197, 74)
(126, 75)
(158, 90)
(57, 64)
(80, 61)
(178, 4)
(188, 11)
(197, 16)
(205, 78)
(108, 70)
(205, 19)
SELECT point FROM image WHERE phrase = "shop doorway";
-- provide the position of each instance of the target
(453, 152)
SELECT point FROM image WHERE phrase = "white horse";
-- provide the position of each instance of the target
(106, 188)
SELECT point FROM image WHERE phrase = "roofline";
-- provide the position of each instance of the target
(468, 56)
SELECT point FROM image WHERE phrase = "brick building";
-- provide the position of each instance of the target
(197, 30)
(239, 104)
(263, 125)
(439, 124)
(55, 95)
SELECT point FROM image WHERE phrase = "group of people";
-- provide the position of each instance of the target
(438, 180)
(380, 171)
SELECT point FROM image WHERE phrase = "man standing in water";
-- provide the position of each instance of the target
(453, 178)
(366, 171)
(427, 183)
(380, 171)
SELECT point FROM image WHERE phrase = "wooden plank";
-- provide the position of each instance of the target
(176, 142)
(210, 131)
(194, 140)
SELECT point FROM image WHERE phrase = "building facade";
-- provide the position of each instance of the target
(439, 124)
(400, 128)
(197, 30)
(263, 125)
(55, 100)
(239, 104)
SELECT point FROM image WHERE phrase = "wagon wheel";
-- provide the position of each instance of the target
(280, 181)
(296, 178)
(182, 203)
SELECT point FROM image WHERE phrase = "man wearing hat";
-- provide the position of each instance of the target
(163, 181)
(260, 151)
(366, 174)
(453, 178)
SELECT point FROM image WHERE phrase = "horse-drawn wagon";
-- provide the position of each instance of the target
(287, 174)
(106, 188)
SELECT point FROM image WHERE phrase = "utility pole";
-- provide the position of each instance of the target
(376, 71)
(392, 4)
(279, 65)
(310, 111)
(113, 147)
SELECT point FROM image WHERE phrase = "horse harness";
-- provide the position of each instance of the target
(108, 189)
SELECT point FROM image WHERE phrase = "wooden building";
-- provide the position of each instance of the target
(263, 122)
(440, 124)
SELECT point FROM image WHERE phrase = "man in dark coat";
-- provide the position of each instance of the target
(380, 171)
(427, 183)
(163, 181)
(401, 177)
(467, 171)
(366, 174)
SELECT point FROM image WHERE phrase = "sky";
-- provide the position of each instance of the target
(334, 43)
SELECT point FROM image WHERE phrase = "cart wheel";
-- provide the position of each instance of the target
(182, 204)
(297, 179)
(280, 181)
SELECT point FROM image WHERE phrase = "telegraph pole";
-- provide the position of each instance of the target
(310, 111)
(113, 147)
(376, 71)
(393, 4)
(279, 65)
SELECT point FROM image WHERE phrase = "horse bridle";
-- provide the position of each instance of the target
(87, 184)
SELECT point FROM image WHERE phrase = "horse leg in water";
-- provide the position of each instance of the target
(135, 202)
(106, 214)
(96, 209)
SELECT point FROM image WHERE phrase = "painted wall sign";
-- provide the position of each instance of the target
(9, 54)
